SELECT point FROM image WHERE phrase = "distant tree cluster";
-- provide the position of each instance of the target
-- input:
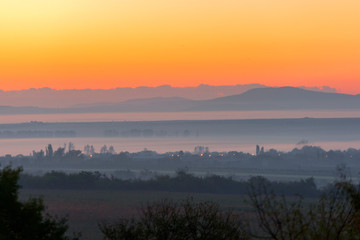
(202, 156)
(305, 154)
(201, 150)
(309, 153)
(59, 154)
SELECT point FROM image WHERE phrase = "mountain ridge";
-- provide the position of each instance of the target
(280, 98)
(52, 98)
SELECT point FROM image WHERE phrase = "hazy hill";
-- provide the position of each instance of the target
(51, 98)
(283, 98)
(24, 110)
(142, 105)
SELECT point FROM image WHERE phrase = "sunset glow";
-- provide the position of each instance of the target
(66, 44)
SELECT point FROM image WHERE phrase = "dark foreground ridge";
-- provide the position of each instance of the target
(335, 215)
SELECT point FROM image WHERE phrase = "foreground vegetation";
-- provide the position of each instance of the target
(170, 220)
(86, 208)
(335, 215)
(26, 220)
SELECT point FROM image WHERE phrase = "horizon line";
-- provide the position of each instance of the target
(171, 86)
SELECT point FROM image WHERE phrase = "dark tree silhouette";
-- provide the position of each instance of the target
(25, 220)
(49, 151)
(169, 220)
(335, 216)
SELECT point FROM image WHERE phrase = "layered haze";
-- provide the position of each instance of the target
(112, 98)
(169, 103)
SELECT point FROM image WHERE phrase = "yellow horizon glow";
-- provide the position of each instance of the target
(66, 44)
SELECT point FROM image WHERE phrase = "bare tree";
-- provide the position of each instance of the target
(334, 217)
(169, 220)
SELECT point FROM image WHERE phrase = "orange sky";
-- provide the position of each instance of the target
(67, 44)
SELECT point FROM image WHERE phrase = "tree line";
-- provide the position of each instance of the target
(306, 154)
(181, 182)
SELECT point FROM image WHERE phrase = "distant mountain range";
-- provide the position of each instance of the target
(283, 98)
(51, 98)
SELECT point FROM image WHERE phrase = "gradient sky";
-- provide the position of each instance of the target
(66, 44)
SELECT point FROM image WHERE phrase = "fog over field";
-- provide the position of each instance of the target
(313, 129)
(152, 145)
